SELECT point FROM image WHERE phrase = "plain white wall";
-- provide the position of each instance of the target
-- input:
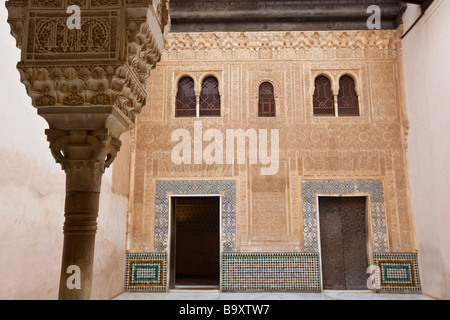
(426, 50)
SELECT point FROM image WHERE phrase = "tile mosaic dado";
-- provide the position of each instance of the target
(311, 189)
(283, 272)
(166, 189)
(146, 272)
(397, 272)
(270, 272)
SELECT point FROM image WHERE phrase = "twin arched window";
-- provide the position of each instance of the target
(324, 101)
(186, 104)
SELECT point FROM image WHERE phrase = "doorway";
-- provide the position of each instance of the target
(343, 242)
(195, 243)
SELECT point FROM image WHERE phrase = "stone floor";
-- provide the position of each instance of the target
(216, 295)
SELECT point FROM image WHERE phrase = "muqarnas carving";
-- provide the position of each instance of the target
(74, 86)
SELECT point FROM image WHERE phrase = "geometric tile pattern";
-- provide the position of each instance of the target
(146, 272)
(300, 272)
(271, 272)
(397, 272)
(165, 189)
(311, 189)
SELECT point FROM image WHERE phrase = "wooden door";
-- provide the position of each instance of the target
(343, 238)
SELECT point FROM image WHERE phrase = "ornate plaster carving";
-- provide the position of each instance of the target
(103, 63)
(282, 45)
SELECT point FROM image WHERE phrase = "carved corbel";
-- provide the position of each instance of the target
(16, 19)
(145, 47)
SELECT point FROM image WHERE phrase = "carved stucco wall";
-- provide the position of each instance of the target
(269, 208)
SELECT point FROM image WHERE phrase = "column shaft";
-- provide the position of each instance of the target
(80, 228)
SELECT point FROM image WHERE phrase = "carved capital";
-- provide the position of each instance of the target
(83, 155)
(84, 141)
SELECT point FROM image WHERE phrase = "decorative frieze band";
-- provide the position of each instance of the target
(313, 45)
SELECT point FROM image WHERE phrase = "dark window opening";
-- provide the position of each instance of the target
(266, 103)
(323, 100)
(186, 103)
(210, 98)
(348, 104)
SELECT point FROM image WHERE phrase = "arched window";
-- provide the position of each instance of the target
(266, 103)
(210, 98)
(186, 103)
(323, 101)
(348, 104)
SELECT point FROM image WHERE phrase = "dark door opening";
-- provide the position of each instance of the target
(195, 242)
(343, 238)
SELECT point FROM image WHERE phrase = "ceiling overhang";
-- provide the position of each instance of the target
(293, 15)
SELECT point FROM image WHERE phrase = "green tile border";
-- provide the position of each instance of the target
(394, 262)
(156, 261)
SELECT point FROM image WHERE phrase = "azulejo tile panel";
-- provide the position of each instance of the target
(166, 189)
(146, 272)
(397, 272)
(311, 189)
(271, 272)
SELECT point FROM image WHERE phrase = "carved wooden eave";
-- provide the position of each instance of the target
(103, 64)
(281, 15)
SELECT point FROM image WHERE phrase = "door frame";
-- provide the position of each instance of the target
(369, 240)
(170, 254)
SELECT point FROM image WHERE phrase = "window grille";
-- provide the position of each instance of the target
(210, 98)
(348, 104)
(186, 104)
(323, 100)
(266, 103)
